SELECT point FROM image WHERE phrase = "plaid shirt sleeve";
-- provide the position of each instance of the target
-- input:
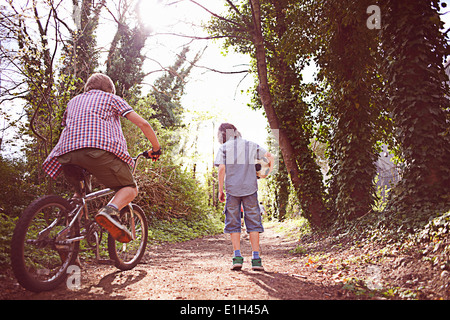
(91, 120)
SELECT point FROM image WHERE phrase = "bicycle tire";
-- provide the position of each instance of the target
(121, 260)
(23, 257)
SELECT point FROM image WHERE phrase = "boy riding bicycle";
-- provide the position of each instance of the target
(93, 139)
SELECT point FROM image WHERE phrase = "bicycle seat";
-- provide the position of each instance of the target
(78, 177)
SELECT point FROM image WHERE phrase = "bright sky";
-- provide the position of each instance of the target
(218, 95)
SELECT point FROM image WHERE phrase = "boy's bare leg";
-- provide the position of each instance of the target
(254, 241)
(236, 241)
(104, 217)
(124, 196)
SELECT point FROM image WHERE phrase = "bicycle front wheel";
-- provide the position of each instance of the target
(127, 255)
(40, 254)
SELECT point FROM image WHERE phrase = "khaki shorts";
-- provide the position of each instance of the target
(105, 166)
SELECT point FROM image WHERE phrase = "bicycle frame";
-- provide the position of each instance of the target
(46, 239)
(81, 207)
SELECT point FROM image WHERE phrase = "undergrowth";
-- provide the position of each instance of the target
(293, 227)
(391, 228)
(413, 251)
(183, 229)
(175, 205)
(7, 225)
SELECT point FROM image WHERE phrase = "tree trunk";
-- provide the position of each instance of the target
(418, 101)
(266, 99)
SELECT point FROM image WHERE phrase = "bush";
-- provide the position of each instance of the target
(181, 229)
(175, 203)
(14, 193)
(7, 225)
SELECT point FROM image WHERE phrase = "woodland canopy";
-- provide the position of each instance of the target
(380, 81)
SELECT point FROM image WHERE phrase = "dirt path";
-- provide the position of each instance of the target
(198, 269)
(323, 268)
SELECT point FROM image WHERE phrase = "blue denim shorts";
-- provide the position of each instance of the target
(252, 214)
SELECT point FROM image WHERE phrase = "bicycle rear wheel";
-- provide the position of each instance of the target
(127, 255)
(39, 258)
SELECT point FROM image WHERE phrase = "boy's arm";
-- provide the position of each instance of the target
(146, 129)
(221, 181)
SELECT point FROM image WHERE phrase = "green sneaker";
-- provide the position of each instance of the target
(257, 265)
(237, 263)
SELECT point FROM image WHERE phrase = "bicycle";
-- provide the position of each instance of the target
(46, 239)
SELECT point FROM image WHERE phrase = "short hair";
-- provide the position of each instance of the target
(227, 131)
(100, 81)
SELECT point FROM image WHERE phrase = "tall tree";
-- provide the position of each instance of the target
(80, 53)
(125, 57)
(245, 26)
(279, 188)
(348, 60)
(287, 97)
(35, 77)
(169, 88)
(416, 84)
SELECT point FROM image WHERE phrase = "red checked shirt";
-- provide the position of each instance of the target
(91, 120)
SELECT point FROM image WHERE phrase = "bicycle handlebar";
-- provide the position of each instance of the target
(154, 155)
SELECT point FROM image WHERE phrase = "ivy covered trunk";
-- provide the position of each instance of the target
(416, 84)
(293, 150)
(348, 65)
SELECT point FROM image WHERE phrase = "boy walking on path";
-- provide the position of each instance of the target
(236, 161)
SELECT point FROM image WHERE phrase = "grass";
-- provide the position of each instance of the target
(178, 230)
(291, 228)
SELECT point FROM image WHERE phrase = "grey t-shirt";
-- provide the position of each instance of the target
(239, 156)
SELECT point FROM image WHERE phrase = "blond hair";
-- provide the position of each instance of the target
(227, 131)
(100, 81)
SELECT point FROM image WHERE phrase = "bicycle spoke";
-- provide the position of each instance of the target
(129, 254)
(42, 257)
(42, 245)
